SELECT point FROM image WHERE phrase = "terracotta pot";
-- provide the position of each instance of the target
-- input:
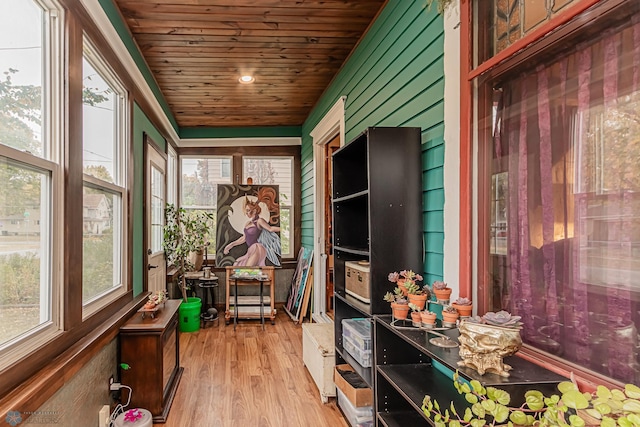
(428, 318)
(442, 294)
(419, 300)
(399, 311)
(449, 317)
(464, 310)
(416, 318)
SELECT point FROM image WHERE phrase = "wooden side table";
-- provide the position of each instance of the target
(241, 301)
(151, 345)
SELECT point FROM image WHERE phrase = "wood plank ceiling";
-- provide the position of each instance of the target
(198, 49)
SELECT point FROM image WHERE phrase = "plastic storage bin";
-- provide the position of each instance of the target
(358, 331)
(363, 357)
(356, 416)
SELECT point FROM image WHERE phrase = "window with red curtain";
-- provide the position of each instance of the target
(562, 201)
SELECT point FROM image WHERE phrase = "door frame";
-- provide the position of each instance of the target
(148, 143)
(329, 126)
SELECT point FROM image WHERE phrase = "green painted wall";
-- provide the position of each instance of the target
(394, 78)
(141, 125)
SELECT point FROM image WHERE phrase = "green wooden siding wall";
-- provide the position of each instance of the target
(394, 78)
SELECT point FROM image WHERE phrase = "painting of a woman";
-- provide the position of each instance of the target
(255, 216)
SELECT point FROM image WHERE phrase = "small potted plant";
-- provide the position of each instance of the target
(399, 304)
(417, 295)
(428, 319)
(449, 316)
(464, 306)
(442, 291)
(404, 278)
(416, 320)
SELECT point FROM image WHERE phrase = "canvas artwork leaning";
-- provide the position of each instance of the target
(248, 226)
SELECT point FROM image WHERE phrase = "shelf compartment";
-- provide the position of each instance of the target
(350, 173)
(351, 223)
(354, 303)
(414, 382)
(365, 373)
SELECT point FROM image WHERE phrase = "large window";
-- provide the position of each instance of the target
(563, 202)
(30, 192)
(278, 171)
(199, 181)
(104, 117)
(200, 176)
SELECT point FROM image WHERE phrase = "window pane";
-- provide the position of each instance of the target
(276, 171)
(566, 198)
(99, 130)
(21, 82)
(101, 242)
(199, 187)
(25, 278)
(157, 209)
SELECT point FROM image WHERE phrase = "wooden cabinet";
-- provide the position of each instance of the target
(408, 367)
(152, 347)
(377, 217)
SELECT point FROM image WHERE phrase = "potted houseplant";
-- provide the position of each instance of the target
(449, 316)
(417, 295)
(464, 306)
(415, 315)
(404, 278)
(441, 291)
(428, 319)
(399, 303)
(490, 406)
(183, 234)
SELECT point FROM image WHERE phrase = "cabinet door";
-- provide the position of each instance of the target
(169, 355)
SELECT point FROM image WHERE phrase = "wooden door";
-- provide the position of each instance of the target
(330, 148)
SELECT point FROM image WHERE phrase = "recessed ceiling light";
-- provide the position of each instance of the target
(246, 79)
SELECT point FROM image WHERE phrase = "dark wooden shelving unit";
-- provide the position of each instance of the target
(377, 217)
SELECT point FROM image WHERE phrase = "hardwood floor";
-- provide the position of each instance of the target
(249, 377)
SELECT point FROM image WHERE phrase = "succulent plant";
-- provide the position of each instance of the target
(439, 285)
(396, 297)
(407, 275)
(501, 318)
(414, 307)
(449, 309)
(462, 301)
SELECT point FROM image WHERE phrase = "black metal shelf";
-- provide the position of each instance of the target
(352, 250)
(355, 303)
(400, 419)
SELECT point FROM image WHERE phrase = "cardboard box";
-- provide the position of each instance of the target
(357, 396)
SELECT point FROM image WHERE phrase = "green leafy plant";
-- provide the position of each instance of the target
(184, 233)
(490, 406)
